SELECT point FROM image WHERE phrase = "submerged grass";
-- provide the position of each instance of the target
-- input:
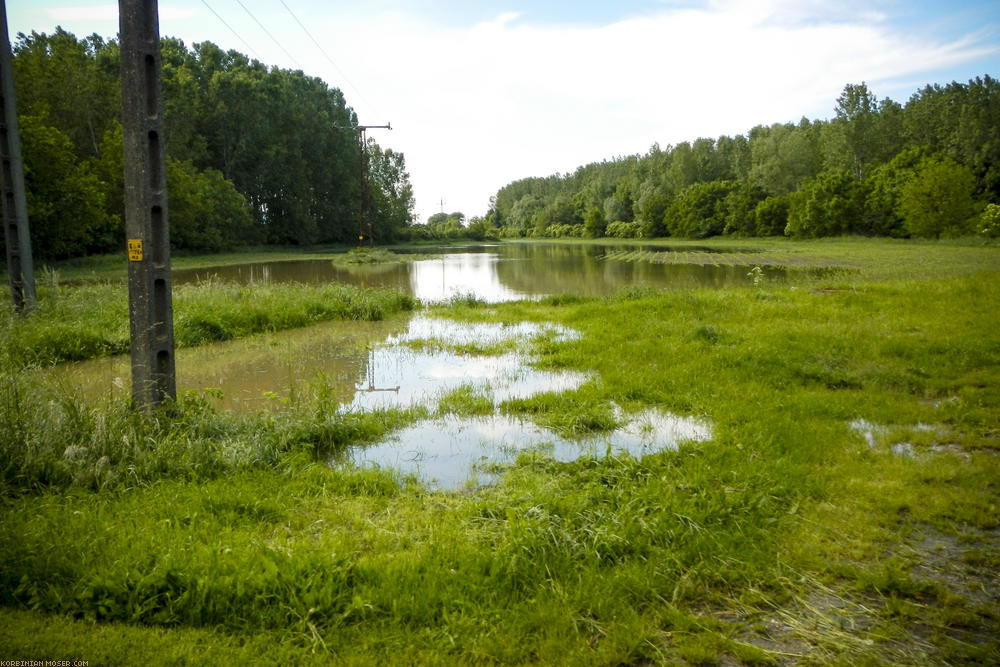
(91, 320)
(788, 538)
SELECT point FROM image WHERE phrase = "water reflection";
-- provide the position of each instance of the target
(451, 452)
(422, 376)
(458, 274)
(262, 372)
(404, 362)
(494, 273)
(359, 365)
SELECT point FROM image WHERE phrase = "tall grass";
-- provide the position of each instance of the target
(91, 320)
(786, 538)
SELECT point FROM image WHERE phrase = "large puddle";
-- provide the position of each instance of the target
(401, 363)
(494, 273)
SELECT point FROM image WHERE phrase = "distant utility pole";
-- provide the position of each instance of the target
(365, 224)
(146, 227)
(20, 267)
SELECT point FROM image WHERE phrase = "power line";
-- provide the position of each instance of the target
(370, 106)
(268, 32)
(249, 48)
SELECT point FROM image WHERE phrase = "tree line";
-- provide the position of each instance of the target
(255, 155)
(930, 168)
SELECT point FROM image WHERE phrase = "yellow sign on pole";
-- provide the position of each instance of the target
(135, 250)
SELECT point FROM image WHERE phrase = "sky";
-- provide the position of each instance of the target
(483, 93)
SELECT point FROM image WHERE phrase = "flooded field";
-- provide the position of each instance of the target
(495, 273)
(401, 363)
(416, 361)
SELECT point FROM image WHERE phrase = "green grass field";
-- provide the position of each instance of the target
(845, 511)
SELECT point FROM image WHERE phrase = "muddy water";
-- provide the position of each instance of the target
(360, 365)
(262, 372)
(492, 273)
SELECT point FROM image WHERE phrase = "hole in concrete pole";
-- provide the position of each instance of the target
(155, 161)
(151, 99)
(162, 362)
(158, 237)
(159, 306)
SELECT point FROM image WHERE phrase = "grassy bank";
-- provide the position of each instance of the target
(845, 510)
(91, 320)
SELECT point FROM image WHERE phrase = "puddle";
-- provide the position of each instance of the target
(402, 363)
(874, 434)
(360, 365)
(454, 452)
(262, 372)
(399, 376)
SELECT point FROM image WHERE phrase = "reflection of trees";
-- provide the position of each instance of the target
(553, 269)
(326, 362)
(308, 271)
(582, 269)
(395, 275)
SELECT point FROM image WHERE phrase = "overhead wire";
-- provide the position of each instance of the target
(268, 33)
(238, 36)
(329, 59)
(281, 46)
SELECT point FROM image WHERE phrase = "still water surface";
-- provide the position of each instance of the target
(451, 452)
(494, 273)
(411, 359)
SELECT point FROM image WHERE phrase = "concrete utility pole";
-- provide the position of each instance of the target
(146, 228)
(20, 267)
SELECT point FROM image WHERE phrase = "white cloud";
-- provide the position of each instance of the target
(89, 13)
(477, 108)
(108, 13)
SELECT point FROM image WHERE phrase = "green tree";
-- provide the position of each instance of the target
(882, 191)
(700, 210)
(782, 156)
(771, 216)
(741, 209)
(616, 209)
(183, 101)
(69, 84)
(650, 208)
(938, 201)
(205, 210)
(849, 140)
(109, 169)
(65, 199)
(482, 229)
(594, 222)
(392, 194)
(522, 214)
(829, 205)
(960, 121)
(989, 221)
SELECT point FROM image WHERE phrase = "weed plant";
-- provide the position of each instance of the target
(789, 537)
